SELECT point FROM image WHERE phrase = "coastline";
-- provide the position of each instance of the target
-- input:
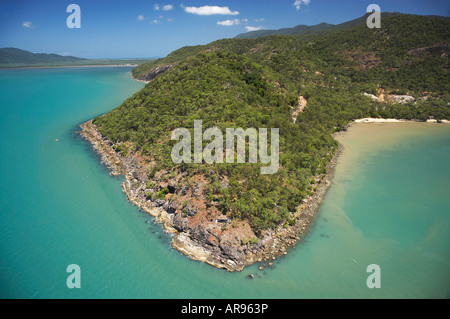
(137, 80)
(70, 66)
(274, 244)
(369, 120)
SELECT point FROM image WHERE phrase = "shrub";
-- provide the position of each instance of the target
(162, 194)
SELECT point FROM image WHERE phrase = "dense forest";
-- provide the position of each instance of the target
(301, 29)
(257, 83)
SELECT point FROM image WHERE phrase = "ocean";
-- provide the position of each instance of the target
(388, 206)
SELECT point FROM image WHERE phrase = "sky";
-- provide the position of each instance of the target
(147, 29)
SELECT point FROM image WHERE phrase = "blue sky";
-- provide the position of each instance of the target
(138, 28)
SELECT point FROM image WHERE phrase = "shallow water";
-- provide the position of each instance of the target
(58, 206)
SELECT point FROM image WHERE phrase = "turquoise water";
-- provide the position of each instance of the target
(59, 206)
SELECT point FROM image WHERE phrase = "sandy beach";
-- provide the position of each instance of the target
(365, 138)
(381, 121)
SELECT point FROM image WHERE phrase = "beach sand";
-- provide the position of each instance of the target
(367, 138)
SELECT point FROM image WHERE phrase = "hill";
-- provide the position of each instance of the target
(309, 86)
(17, 58)
(297, 30)
(386, 56)
(314, 29)
(13, 57)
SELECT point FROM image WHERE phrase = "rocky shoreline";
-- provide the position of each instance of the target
(206, 241)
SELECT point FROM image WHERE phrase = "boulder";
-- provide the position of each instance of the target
(180, 223)
(231, 253)
(184, 190)
(172, 187)
(159, 202)
(196, 190)
(190, 211)
(170, 207)
(401, 99)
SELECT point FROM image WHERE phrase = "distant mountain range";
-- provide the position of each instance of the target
(17, 58)
(14, 56)
(300, 29)
(314, 29)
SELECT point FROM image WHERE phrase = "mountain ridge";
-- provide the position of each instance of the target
(18, 58)
(317, 28)
(15, 56)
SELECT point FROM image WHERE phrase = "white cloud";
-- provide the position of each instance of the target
(229, 22)
(297, 4)
(249, 28)
(140, 17)
(210, 10)
(156, 7)
(169, 19)
(168, 7)
(28, 25)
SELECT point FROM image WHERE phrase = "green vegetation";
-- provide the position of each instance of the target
(122, 149)
(302, 30)
(298, 30)
(162, 193)
(257, 82)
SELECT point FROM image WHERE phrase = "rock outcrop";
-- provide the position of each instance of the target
(197, 234)
(302, 103)
(153, 73)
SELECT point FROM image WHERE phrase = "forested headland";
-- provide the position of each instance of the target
(309, 85)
